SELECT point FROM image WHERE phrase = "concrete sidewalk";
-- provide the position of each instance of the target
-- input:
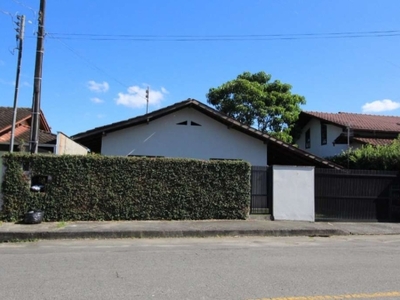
(212, 228)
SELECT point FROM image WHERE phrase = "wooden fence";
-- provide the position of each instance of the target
(357, 195)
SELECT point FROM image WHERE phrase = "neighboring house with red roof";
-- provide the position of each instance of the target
(191, 129)
(328, 134)
(47, 140)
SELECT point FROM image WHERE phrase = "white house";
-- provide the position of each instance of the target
(329, 134)
(190, 129)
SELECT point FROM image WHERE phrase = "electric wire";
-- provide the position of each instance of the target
(91, 64)
(244, 37)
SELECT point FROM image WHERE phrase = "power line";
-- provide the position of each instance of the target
(244, 37)
(89, 63)
(237, 35)
(26, 6)
(8, 14)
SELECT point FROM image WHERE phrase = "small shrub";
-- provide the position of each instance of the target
(370, 157)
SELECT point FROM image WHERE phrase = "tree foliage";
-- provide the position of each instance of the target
(370, 157)
(255, 101)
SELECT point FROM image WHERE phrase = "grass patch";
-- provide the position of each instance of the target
(61, 224)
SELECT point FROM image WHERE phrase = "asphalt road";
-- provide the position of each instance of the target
(214, 268)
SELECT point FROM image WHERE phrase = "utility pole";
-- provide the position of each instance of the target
(34, 142)
(147, 100)
(20, 38)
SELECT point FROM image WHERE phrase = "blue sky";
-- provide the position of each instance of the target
(98, 60)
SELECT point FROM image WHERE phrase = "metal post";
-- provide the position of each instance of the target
(34, 142)
(348, 147)
(147, 100)
(20, 38)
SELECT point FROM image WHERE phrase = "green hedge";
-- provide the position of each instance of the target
(368, 157)
(118, 188)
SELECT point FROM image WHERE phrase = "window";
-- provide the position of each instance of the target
(187, 123)
(324, 134)
(308, 139)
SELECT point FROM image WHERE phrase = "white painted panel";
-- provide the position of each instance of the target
(293, 193)
(163, 137)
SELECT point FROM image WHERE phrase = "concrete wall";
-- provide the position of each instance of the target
(315, 133)
(163, 137)
(67, 146)
(293, 193)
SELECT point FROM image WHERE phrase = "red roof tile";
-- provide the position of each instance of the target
(374, 142)
(23, 133)
(359, 121)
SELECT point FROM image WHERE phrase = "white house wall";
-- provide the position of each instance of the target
(163, 137)
(315, 133)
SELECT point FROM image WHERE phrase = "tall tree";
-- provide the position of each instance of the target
(255, 101)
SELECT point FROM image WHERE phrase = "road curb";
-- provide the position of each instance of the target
(53, 235)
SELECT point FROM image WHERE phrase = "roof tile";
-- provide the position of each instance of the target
(6, 115)
(374, 142)
(360, 121)
(23, 133)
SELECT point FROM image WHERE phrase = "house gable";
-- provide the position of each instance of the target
(316, 146)
(22, 127)
(185, 133)
(24, 117)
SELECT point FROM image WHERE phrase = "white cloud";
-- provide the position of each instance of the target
(96, 100)
(136, 97)
(164, 90)
(21, 84)
(2, 81)
(100, 116)
(98, 87)
(380, 106)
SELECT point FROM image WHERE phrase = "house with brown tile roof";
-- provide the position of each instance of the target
(191, 129)
(328, 134)
(47, 140)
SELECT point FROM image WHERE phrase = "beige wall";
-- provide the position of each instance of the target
(67, 146)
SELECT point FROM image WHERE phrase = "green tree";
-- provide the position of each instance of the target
(255, 101)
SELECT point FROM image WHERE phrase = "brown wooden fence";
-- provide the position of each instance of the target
(357, 195)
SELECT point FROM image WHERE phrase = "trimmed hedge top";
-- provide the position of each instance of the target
(96, 187)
